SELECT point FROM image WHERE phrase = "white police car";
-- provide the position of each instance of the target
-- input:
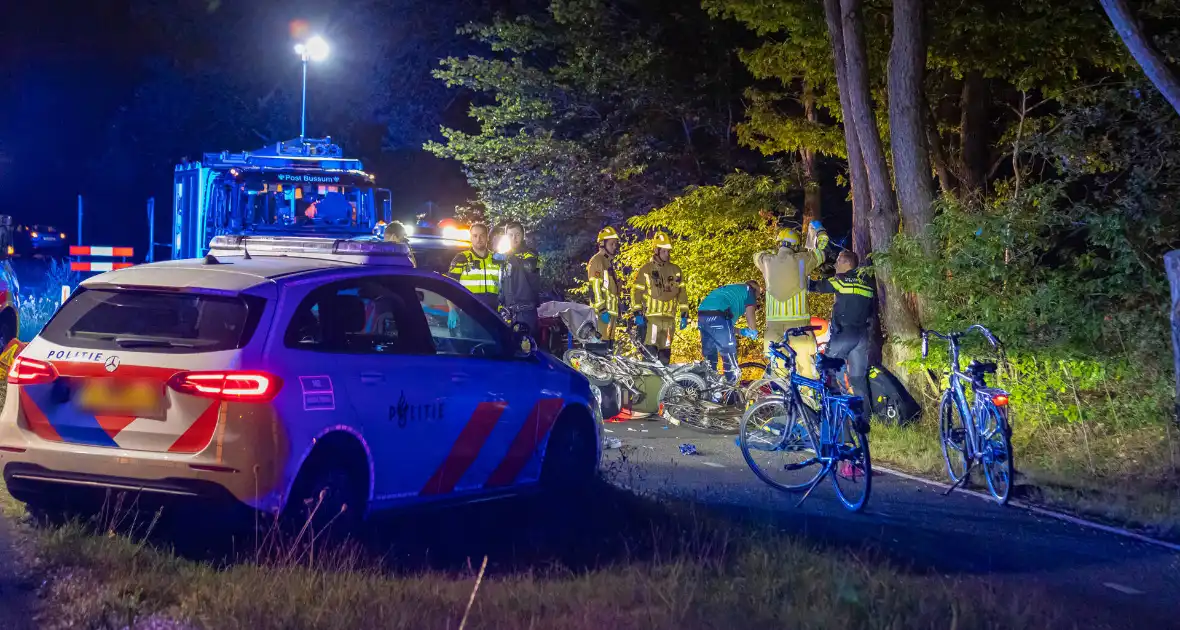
(277, 368)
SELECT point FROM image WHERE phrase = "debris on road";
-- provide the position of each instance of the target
(612, 442)
(688, 449)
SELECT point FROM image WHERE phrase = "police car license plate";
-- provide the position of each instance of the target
(132, 397)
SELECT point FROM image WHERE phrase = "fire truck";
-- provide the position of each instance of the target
(301, 186)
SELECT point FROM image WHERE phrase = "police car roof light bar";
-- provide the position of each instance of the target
(342, 250)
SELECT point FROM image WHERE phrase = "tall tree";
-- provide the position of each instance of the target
(1153, 63)
(911, 162)
(858, 177)
(591, 111)
(883, 220)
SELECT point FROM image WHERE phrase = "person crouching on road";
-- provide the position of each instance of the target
(604, 283)
(785, 273)
(715, 319)
(657, 296)
(852, 317)
(520, 278)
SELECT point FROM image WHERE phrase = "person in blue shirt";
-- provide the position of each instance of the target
(715, 319)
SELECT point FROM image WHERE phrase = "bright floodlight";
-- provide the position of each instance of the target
(315, 49)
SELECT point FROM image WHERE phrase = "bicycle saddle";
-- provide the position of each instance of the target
(982, 368)
(829, 363)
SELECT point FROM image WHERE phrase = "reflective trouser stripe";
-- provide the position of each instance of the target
(793, 308)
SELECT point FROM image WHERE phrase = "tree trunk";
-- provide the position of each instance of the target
(946, 181)
(1172, 266)
(907, 120)
(862, 243)
(812, 210)
(1153, 64)
(973, 151)
(857, 177)
(883, 220)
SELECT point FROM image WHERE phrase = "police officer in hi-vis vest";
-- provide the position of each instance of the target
(477, 270)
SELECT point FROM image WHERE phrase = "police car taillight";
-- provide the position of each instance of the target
(231, 386)
(31, 372)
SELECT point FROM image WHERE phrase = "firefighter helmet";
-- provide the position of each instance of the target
(607, 233)
(662, 240)
(789, 235)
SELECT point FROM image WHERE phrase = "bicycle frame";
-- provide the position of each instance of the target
(974, 416)
(832, 407)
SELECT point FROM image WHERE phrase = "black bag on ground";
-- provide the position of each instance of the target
(891, 401)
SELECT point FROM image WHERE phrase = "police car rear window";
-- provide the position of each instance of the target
(154, 321)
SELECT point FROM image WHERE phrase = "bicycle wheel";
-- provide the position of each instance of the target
(998, 466)
(778, 444)
(681, 403)
(853, 474)
(953, 434)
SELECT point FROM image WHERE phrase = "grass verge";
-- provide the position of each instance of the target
(682, 569)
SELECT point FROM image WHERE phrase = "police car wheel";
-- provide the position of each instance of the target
(570, 454)
(326, 499)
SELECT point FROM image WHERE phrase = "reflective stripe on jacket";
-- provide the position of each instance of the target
(658, 290)
(786, 274)
(855, 298)
(478, 275)
(604, 284)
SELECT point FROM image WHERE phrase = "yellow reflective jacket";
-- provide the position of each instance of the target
(658, 290)
(786, 273)
(476, 274)
(604, 284)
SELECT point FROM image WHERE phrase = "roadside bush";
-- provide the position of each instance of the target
(38, 306)
(1069, 274)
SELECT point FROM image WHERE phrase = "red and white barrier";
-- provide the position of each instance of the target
(98, 266)
(78, 251)
(89, 250)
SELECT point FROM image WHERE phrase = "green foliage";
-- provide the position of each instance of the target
(1069, 272)
(716, 231)
(588, 113)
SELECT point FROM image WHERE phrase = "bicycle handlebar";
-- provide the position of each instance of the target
(953, 337)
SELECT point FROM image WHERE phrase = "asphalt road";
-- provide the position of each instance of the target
(1124, 582)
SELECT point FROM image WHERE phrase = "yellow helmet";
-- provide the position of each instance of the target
(789, 235)
(662, 240)
(607, 233)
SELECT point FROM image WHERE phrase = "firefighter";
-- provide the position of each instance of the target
(657, 297)
(786, 273)
(395, 232)
(852, 317)
(476, 268)
(520, 278)
(715, 319)
(604, 283)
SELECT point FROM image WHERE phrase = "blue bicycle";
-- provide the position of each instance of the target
(793, 447)
(973, 420)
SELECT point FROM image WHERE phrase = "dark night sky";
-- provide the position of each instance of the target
(101, 98)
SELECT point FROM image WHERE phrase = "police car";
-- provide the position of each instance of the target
(277, 370)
